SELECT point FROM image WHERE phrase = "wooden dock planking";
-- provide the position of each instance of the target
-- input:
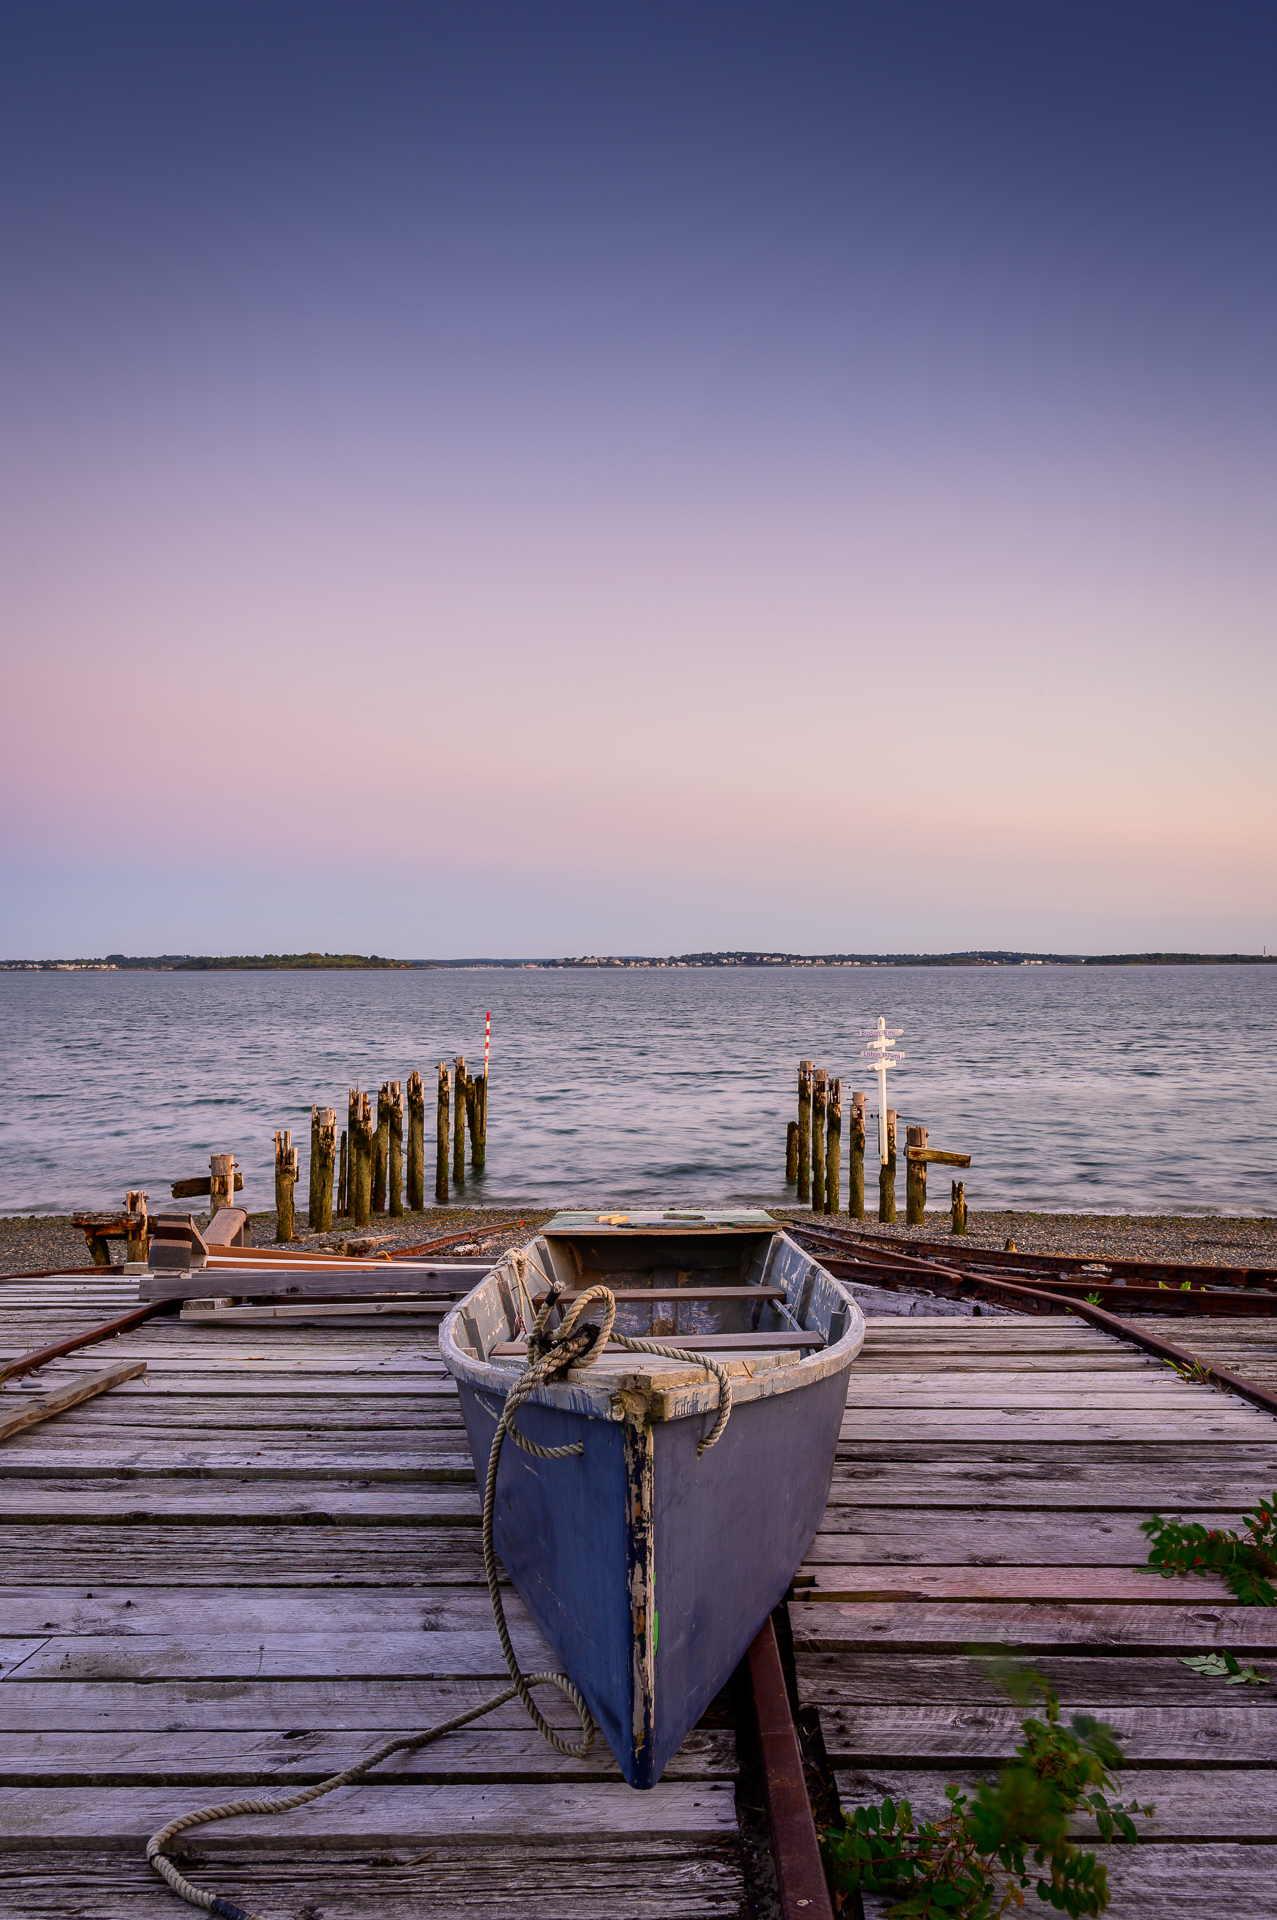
(991, 1478)
(248, 1568)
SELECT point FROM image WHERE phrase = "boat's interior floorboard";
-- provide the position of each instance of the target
(991, 1479)
(251, 1566)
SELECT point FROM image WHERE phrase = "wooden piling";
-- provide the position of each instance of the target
(887, 1175)
(381, 1148)
(342, 1205)
(323, 1159)
(361, 1152)
(441, 1133)
(312, 1167)
(958, 1199)
(221, 1182)
(416, 1143)
(915, 1179)
(352, 1119)
(286, 1171)
(477, 1114)
(459, 1123)
(833, 1146)
(804, 1131)
(819, 1096)
(139, 1242)
(791, 1152)
(856, 1159)
(394, 1165)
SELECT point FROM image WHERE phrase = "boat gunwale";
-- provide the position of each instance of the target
(678, 1395)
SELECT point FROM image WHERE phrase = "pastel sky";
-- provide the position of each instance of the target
(548, 478)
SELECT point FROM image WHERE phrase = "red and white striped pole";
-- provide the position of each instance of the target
(487, 1044)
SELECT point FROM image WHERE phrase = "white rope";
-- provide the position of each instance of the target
(547, 1355)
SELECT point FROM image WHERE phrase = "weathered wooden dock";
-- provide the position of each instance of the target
(991, 1480)
(247, 1568)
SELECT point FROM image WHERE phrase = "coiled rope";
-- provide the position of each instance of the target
(569, 1345)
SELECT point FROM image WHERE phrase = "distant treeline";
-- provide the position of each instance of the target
(303, 962)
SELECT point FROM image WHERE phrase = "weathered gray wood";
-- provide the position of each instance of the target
(833, 1147)
(373, 1815)
(459, 1124)
(286, 1171)
(1099, 1681)
(915, 1176)
(361, 1141)
(819, 1101)
(221, 1181)
(856, 1159)
(394, 1164)
(817, 1584)
(70, 1395)
(441, 1134)
(323, 1160)
(642, 1876)
(416, 1142)
(1190, 1804)
(381, 1148)
(805, 1069)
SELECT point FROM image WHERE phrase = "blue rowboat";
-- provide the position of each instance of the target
(648, 1563)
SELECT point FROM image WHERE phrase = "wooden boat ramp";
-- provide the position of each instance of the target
(250, 1564)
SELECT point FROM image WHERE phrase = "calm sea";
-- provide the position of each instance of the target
(1125, 1089)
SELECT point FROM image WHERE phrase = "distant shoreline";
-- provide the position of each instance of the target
(359, 962)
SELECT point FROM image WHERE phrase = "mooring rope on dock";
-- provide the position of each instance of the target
(570, 1345)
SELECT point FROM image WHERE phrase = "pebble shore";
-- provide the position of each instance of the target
(50, 1242)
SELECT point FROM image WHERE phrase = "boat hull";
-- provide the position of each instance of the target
(650, 1568)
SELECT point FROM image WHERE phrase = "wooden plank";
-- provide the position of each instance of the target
(315, 1706)
(860, 1537)
(934, 1626)
(817, 1585)
(16, 1650)
(639, 1876)
(367, 1501)
(373, 1815)
(1166, 1737)
(267, 1758)
(130, 1610)
(259, 1282)
(281, 1656)
(71, 1395)
(1100, 1681)
(1191, 1804)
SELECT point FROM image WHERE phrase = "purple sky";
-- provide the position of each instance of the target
(550, 479)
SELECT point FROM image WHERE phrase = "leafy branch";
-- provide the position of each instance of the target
(1246, 1563)
(1226, 1667)
(974, 1862)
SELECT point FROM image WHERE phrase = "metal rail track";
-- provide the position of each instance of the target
(881, 1262)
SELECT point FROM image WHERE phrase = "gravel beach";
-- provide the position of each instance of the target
(29, 1244)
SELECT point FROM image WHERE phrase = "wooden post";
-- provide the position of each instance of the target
(312, 1169)
(958, 1197)
(459, 1124)
(139, 1244)
(804, 1132)
(833, 1146)
(286, 1171)
(361, 1149)
(887, 1175)
(323, 1160)
(818, 1098)
(352, 1122)
(416, 1143)
(477, 1112)
(856, 1159)
(791, 1153)
(342, 1181)
(221, 1182)
(394, 1165)
(915, 1179)
(441, 1134)
(381, 1150)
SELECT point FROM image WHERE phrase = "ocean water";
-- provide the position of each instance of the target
(1128, 1089)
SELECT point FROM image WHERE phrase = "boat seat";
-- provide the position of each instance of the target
(694, 1342)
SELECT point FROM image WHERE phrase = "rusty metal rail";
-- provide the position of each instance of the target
(1017, 1294)
(870, 1259)
(800, 1872)
(28, 1362)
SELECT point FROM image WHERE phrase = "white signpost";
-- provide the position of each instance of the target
(881, 1055)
